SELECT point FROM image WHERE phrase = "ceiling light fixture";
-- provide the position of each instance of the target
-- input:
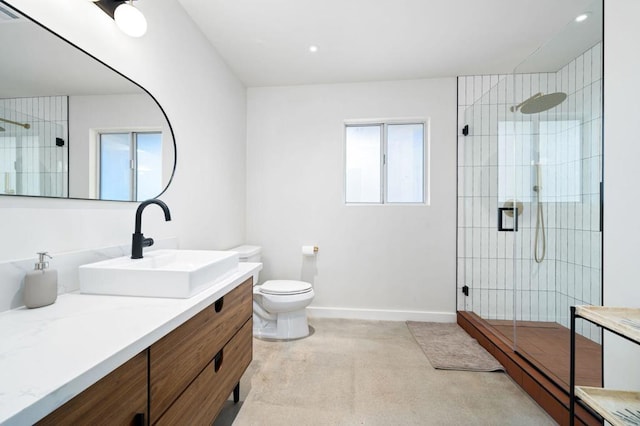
(129, 19)
(582, 17)
(313, 49)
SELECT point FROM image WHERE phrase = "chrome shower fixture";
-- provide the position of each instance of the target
(25, 125)
(512, 205)
(539, 103)
(540, 239)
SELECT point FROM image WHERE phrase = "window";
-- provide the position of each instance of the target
(385, 163)
(130, 165)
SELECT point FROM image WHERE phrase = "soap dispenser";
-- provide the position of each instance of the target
(41, 284)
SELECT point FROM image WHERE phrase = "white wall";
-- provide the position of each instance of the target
(382, 262)
(622, 182)
(206, 105)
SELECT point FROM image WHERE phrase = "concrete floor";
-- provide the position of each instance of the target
(369, 372)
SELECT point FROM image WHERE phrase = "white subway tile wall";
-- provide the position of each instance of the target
(496, 163)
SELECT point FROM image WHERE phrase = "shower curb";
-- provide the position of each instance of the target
(549, 396)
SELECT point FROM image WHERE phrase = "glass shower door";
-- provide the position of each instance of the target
(485, 267)
(557, 156)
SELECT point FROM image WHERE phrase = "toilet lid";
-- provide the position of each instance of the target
(285, 287)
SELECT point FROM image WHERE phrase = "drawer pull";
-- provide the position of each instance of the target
(217, 361)
(138, 419)
(218, 304)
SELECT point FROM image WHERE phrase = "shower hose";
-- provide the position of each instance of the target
(540, 239)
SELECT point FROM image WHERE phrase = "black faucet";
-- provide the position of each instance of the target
(139, 241)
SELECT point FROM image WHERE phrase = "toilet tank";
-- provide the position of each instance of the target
(248, 253)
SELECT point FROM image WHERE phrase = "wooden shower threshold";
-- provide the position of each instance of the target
(551, 397)
(535, 338)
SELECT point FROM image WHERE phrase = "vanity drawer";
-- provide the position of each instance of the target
(179, 357)
(204, 398)
(120, 398)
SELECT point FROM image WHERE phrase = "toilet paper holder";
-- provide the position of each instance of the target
(309, 250)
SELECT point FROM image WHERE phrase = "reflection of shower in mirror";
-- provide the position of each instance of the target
(25, 125)
(7, 184)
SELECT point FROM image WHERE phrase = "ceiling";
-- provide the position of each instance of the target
(266, 43)
(42, 64)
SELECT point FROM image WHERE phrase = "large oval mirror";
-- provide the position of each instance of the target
(72, 127)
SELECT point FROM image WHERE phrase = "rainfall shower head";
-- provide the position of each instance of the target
(539, 103)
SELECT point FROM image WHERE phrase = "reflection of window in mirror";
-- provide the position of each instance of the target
(130, 165)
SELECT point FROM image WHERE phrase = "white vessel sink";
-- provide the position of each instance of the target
(161, 273)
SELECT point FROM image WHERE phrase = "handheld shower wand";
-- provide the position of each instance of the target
(540, 241)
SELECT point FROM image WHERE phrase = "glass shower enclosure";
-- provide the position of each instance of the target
(34, 153)
(529, 199)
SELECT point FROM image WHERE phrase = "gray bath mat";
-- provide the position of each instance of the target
(449, 347)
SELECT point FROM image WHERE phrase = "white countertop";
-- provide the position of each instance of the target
(50, 354)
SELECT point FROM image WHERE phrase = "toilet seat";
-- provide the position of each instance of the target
(285, 287)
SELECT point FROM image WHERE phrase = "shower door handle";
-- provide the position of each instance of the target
(501, 211)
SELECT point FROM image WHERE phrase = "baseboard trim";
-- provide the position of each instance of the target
(380, 314)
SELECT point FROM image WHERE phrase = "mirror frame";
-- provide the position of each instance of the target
(173, 138)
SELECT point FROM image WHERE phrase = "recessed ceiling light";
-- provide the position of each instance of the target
(313, 49)
(582, 17)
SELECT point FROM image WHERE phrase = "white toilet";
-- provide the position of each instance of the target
(278, 305)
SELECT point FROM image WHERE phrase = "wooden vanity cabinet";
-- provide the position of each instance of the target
(184, 378)
(182, 387)
(202, 401)
(120, 398)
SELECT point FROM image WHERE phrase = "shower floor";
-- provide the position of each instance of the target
(541, 379)
(547, 345)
